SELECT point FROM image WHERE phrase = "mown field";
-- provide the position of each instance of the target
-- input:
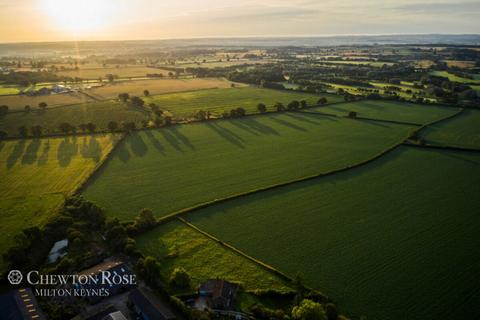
(389, 110)
(177, 167)
(395, 239)
(35, 176)
(111, 91)
(219, 100)
(18, 102)
(461, 131)
(8, 89)
(121, 72)
(99, 113)
(177, 245)
(454, 78)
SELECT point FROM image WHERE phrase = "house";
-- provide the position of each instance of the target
(117, 269)
(217, 294)
(148, 306)
(59, 250)
(19, 305)
(43, 91)
(117, 315)
(58, 88)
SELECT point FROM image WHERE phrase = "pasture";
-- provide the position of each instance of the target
(389, 110)
(461, 131)
(177, 167)
(455, 78)
(394, 239)
(99, 113)
(137, 87)
(177, 245)
(218, 101)
(121, 72)
(18, 102)
(35, 176)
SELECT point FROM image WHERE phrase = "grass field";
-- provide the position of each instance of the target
(8, 90)
(177, 167)
(111, 91)
(18, 102)
(461, 131)
(99, 113)
(395, 239)
(177, 245)
(389, 110)
(220, 100)
(453, 77)
(377, 64)
(122, 72)
(35, 176)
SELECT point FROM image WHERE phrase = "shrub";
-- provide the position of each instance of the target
(180, 278)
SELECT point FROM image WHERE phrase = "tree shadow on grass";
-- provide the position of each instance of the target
(309, 119)
(183, 138)
(374, 123)
(30, 155)
(1, 145)
(67, 149)
(288, 124)
(122, 152)
(91, 149)
(137, 145)
(228, 135)
(167, 134)
(155, 142)
(16, 154)
(256, 126)
(42, 160)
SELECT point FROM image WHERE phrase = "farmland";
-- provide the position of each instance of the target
(173, 168)
(18, 102)
(389, 110)
(177, 245)
(137, 87)
(35, 176)
(455, 78)
(221, 100)
(380, 239)
(461, 131)
(121, 72)
(99, 113)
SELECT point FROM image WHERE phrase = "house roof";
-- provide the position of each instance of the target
(19, 305)
(58, 250)
(218, 288)
(150, 305)
(118, 315)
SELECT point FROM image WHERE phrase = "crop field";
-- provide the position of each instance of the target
(8, 90)
(35, 176)
(177, 245)
(389, 110)
(220, 100)
(377, 64)
(18, 102)
(111, 91)
(178, 167)
(99, 113)
(122, 72)
(394, 239)
(454, 78)
(461, 131)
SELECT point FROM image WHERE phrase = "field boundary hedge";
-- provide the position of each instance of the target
(440, 147)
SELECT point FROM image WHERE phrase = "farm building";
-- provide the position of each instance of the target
(217, 294)
(58, 251)
(20, 304)
(148, 306)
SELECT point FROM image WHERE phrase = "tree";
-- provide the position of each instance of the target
(110, 77)
(36, 131)
(180, 278)
(136, 101)
(149, 268)
(91, 127)
(201, 115)
(146, 93)
(123, 97)
(262, 108)
(27, 108)
(294, 105)
(352, 114)
(83, 127)
(279, 107)
(128, 126)
(322, 101)
(158, 122)
(145, 220)
(112, 126)
(145, 123)
(22, 131)
(116, 235)
(303, 104)
(42, 105)
(65, 127)
(3, 110)
(309, 310)
(3, 135)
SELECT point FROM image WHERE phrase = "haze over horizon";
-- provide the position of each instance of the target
(50, 20)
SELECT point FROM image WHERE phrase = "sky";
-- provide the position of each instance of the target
(59, 20)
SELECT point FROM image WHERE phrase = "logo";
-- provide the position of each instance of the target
(15, 277)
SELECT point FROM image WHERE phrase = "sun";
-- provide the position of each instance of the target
(79, 16)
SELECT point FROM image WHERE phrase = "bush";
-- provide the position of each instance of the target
(180, 278)
(309, 310)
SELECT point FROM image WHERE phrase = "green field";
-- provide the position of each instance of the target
(181, 166)
(8, 90)
(453, 77)
(219, 100)
(389, 110)
(99, 113)
(395, 239)
(35, 176)
(461, 131)
(177, 245)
